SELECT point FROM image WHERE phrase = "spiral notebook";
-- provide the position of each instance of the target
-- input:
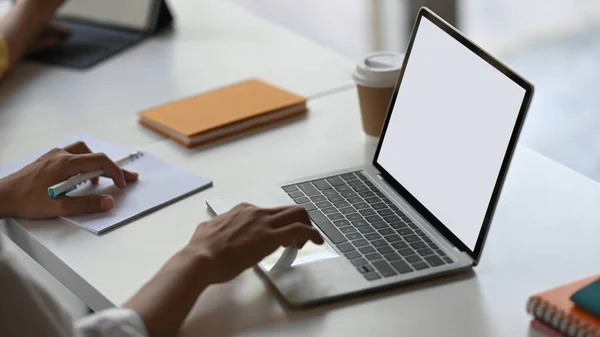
(159, 184)
(555, 308)
(544, 328)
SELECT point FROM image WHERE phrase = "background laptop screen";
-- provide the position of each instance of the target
(132, 14)
(449, 130)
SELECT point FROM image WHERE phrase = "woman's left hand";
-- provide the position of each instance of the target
(24, 194)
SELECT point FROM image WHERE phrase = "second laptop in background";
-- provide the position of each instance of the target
(223, 112)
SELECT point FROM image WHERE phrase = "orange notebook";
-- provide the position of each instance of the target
(554, 308)
(223, 112)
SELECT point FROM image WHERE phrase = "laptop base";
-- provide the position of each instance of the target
(321, 274)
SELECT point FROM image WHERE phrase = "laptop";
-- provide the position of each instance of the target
(102, 29)
(423, 208)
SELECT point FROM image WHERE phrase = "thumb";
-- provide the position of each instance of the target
(86, 204)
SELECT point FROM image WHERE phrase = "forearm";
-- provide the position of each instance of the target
(165, 301)
(5, 199)
(21, 25)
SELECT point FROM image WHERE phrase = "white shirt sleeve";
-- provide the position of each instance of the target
(112, 323)
(26, 309)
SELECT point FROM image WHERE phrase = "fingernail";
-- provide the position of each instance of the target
(106, 203)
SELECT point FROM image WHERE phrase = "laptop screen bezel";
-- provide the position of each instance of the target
(420, 208)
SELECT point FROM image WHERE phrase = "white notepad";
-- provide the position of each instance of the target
(159, 184)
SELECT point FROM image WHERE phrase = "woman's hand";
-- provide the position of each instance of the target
(219, 250)
(24, 194)
(242, 237)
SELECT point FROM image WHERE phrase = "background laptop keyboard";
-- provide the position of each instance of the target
(372, 232)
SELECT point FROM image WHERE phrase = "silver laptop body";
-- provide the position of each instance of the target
(379, 233)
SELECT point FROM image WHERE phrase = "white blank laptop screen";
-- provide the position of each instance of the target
(449, 130)
(133, 14)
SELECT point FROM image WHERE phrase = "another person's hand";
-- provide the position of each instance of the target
(25, 192)
(49, 36)
(49, 33)
(239, 239)
(44, 8)
(26, 27)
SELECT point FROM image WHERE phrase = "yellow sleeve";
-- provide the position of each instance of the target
(4, 56)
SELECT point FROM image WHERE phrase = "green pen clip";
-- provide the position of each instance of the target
(56, 196)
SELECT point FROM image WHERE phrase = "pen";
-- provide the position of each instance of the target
(70, 184)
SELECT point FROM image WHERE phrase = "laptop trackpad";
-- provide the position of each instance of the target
(309, 253)
(272, 197)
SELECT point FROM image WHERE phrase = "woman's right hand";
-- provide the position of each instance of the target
(219, 250)
(237, 240)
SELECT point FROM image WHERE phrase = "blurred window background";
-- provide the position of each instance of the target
(555, 44)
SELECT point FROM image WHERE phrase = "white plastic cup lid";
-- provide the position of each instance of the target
(379, 69)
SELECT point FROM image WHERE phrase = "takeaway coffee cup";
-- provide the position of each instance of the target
(375, 77)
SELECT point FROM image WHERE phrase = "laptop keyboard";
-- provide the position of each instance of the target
(372, 232)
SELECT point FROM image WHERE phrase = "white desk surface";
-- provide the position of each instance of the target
(544, 233)
(213, 43)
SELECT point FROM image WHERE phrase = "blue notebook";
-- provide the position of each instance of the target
(588, 298)
(159, 184)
